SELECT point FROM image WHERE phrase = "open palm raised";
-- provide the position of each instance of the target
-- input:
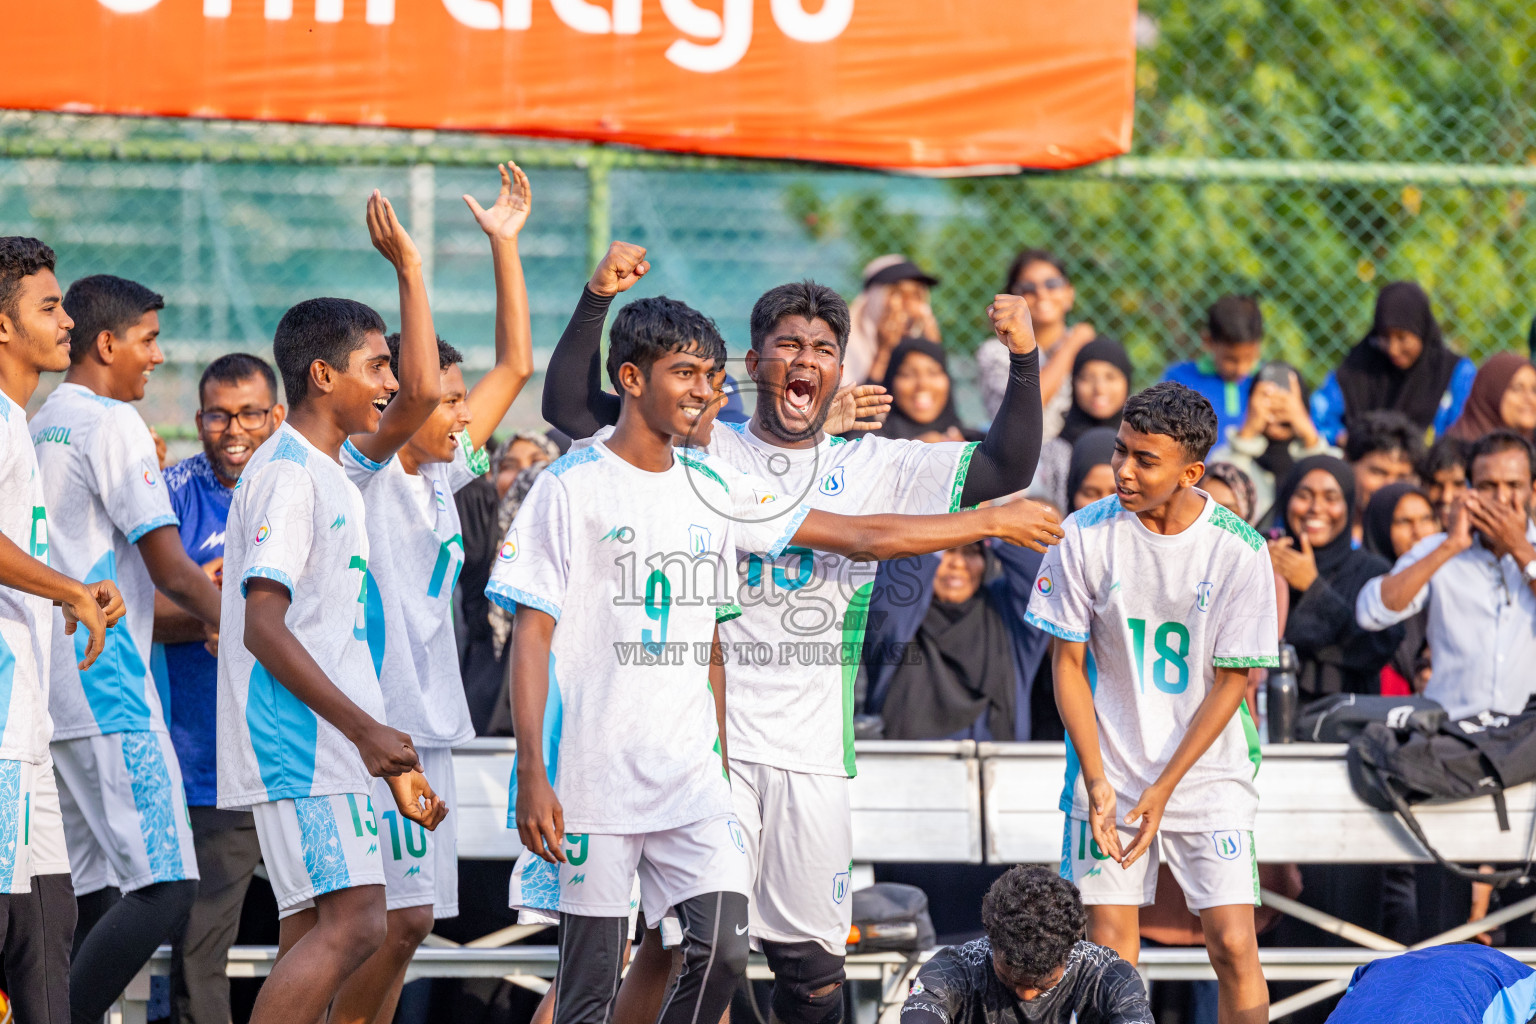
(509, 212)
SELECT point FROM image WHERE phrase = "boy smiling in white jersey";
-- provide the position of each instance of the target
(415, 554)
(1160, 601)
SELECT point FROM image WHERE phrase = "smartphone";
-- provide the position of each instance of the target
(1278, 374)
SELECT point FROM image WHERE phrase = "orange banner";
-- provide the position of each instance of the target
(895, 83)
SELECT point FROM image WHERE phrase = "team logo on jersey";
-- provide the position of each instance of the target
(263, 532)
(1044, 586)
(622, 534)
(840, 886)
(508, 552)
(149, 478)
(832, 483)
(698, 541)
(765, 497)
(1228, 844)
(442, 498)
(735, 830)
(916, 989)
(1203, 596)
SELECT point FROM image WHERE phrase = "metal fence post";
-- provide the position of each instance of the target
(599, 205)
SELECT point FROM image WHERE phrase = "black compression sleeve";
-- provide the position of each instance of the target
(1006, 460)
(574, 399)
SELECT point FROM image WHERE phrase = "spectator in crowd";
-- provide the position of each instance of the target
(1032, 966)
(1503, 396)
(1324, 572)
(924, 405)
(1101, 380)
(1477, 581)
(1232, 489)
(1449, 984)
(1042, 280)
(1443, 472)
(1381, 449)
(1089, 475)
(1276, 432)
(894, 305)
(1233, 335)
(1401, 364)
(1398, 517)
(520, 452)
(237, 411)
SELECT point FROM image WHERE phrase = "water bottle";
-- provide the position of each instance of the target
(1282, 697)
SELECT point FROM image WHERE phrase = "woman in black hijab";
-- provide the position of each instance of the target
(1396, 518)
(1403, 364)
(1325, 573)
(1101, 382)
(918, 382)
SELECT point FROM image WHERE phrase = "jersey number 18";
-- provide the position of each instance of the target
(1170, 642)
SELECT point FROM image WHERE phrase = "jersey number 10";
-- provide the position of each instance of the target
(1170, 642)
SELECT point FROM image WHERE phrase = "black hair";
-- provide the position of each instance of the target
(1025, 258)
(102, 302)
(326, 329)
(20, 257)
(1176, 411)
(234, 368)
(447, 355)
(1443, 454)
(649, 328)
(1383, 430)
(1234, 320)
(1496, 441)
(1033, 917)
(800, 298)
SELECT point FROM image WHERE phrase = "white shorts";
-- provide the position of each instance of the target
(1214, 869)
(313, 845)
(18, 792)
(802, 862)
(421, 868)
(598, 877)
(50, 853)
(125, 811)
(534, 892)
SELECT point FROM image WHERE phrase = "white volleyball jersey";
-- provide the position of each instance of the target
(296, 519)
(415, 553)
(1160, 614)
(636, 568)
(102, 481)
(26, 622)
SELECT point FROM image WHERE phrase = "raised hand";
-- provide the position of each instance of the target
(1011, 321)
(1027, 524)
(416, 800)
(1297, 566)
(1502, 525)
(389, 237)
(509, 212)
(858, 407)
(621, 267)
(540, 818)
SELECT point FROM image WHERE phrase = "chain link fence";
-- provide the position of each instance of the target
(1303, 151)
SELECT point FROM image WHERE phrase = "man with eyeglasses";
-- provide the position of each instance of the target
(238, 410)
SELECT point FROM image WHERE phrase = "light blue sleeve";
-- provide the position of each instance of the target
(1328, 409)
(1455, 396)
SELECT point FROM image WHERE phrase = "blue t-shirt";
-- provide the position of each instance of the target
(188, 675)
(1228, 398)
(1446, 985)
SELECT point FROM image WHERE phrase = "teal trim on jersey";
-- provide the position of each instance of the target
(1074, 766)
(7, 685)
(957, 485)
(1251, 735)
(283, 733)
(834, 441)
(795, 519)
(554, 722)
(1224, 519)
(361, 459)
(154, 798)
(276, 575)
(510, 597)
(727, 612)
(116, 685)
(1513, 1005)
(320, 841)
(154, 524)
(373, 622)
(440, 570)
(290, 449)
(1059, 631)
(11, 839)
(162, 679)
(694, 462)
(573, 458)
(1065, 871)
(855, 619)
(1101, 511)
(1257, 661)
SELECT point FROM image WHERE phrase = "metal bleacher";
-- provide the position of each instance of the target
(997, 803)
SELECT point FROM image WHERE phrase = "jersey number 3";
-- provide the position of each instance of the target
(1170, 642)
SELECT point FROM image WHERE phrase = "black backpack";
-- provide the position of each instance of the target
(1340, 717)
(1394, 768)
